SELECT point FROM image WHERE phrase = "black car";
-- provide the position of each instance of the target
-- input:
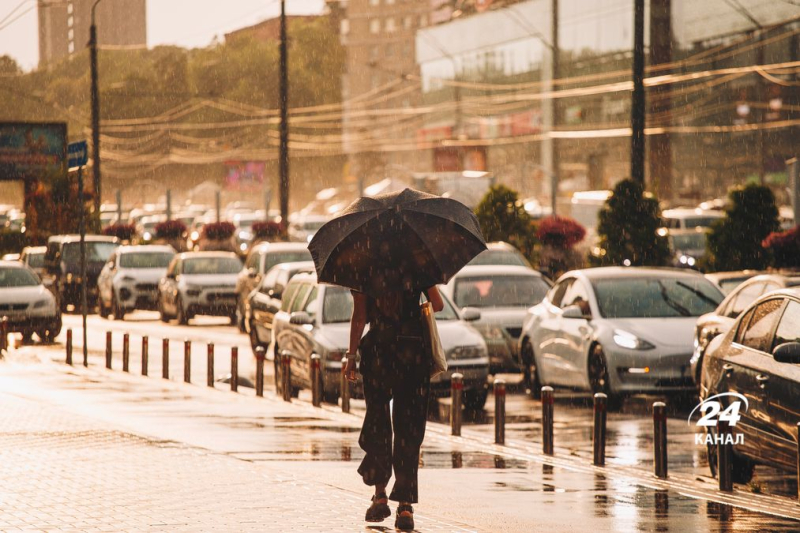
(62, 265)
(759, 359)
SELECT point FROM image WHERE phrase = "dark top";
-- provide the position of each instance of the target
(395, 310)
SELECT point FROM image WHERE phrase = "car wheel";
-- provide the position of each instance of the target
(183, 318)
(161, 313)
(475, 399)
(49, 334)
(530, 374)
(27, 337)
(599, 379)
(116, 310)
(742, 470)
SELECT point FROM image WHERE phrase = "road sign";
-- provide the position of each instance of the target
(77, 154)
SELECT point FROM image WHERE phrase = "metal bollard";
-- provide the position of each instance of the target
(145, 355)
(660, 439)
(210, 365)
(316, 381)
(345, 390)
(126, 352)
(69, 346)
(108, 350)
(261, 354)
(724, 457)
(798, 461)
(235, 369)
(456, 401)
(187, 361)
(499, 411)
(599, 435)
(165, 358)
(286, 374)
(4, 334)
(548, 401)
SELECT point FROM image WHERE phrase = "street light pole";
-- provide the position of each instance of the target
(95, 97)
(638, 101)
(284, 126)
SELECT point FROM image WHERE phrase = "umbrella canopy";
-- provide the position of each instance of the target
(400, 239)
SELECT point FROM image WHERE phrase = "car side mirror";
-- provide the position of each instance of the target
(788, 352)
(470, 314)
(301, 318)
(573, 311)
(171, 275)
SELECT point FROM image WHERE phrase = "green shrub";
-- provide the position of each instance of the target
(502, 218)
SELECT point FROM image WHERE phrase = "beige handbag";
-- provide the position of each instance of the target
(432, 342)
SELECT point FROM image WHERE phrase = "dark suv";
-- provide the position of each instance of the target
(62, 265)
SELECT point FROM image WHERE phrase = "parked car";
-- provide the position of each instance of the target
(688, 247)
(616, 330)
(690, 218)
(502, 294)
(260, 260)
(29, 306)
(303, 229)
(62, 264)
(265, 300)
(315, 319)
(244, 228)
(727, 281)
(759, 358)
(500, 253)
(129, 281)
(33, 257)
(199, 283)
(722, 318)
(10, 257)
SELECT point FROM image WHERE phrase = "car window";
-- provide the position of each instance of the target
(293, 256)
(789, 326)
(17, 277)
(212, 265)
(144, 259)
(557, 293)
(576, 294)
(310, 306)
(288, 296)
(337, 307)
(499, 257)
(96, 252)
(661, 297)
(759, 329)
(35, 260)
(747, 295)
(297, 304)
(499, 291)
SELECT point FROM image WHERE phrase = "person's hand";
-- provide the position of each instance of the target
(350, 370)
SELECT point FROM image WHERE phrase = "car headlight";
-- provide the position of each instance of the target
(128, 278)
(69, 278)
(630, 341)
(40, 303)
(147, 236)
(195, 235)
(466, 352)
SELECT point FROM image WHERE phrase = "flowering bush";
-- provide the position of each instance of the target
(218, 231)
(785, 247)
(267, 230)
(123, 232)
(171, 229)
(560, 232)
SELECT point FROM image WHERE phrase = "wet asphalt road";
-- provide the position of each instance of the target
(629, 430)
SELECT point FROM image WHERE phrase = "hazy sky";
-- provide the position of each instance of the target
(189, 23)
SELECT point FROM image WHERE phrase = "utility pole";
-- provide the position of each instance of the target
(638, 101)
(659, 147)
(284, 126)
(762, 112)
(555, 51)
(95, 97)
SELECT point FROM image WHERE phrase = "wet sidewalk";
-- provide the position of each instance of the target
(93, 450)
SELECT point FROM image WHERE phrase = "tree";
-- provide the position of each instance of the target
(628, 228)
(502, 218)
(734, 242)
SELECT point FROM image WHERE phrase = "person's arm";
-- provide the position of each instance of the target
(435, 299)
(357, 323)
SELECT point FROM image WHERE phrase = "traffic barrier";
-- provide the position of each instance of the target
(286, 374)
(548, 401)
(145, 355)
(660, 439)
(187, 361)
(234, 368)
(210, 365)
(724, 457)
(108, 350)
(261, 354)
(316, 381)
(456, 400)
(165, 358)
(69, 346)
(126, 352)
(599, 433)
(499, 411)
(345, 390)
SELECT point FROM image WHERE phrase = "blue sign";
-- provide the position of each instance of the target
(77, 154)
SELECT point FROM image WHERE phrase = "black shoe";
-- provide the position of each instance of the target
(379, 509)
(404, 518)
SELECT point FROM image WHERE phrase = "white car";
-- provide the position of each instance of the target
(303, 229)
(129, 280)
(244, 228)
(29, 306)
(199, 283)
(690, 218)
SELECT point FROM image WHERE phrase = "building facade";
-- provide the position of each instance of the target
(64, 26)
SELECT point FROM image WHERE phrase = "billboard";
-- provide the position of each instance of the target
(32, 150)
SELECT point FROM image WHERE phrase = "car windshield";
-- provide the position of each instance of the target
(17, 277)
(145, 259)
(277, 258)
(699, 222)
(499, 257)
(212, 265)
(36, 260)
(312, 225)
(655, 298)
(689, 241)
(96, 252)
(338, 307)
(499, 291)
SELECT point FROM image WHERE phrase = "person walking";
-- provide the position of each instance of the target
(395, 368)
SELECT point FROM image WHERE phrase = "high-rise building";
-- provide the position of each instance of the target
(64, 26)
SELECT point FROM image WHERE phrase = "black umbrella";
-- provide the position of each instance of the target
(406, 238)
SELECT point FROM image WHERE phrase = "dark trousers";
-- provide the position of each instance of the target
(394, 368)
